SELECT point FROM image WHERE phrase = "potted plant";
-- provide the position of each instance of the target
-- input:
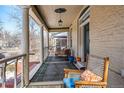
(78, 59)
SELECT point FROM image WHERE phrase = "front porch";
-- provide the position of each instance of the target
(90, 30)
(51, 75)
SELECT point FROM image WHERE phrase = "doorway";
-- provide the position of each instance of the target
(86, 40)
(57, 43)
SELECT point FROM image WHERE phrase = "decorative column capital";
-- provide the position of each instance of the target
(41, 25)
(25, 6)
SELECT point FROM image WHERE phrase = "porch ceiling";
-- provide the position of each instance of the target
(51, 18)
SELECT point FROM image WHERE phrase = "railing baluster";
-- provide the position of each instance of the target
(4, 64)
(4, 76)
(22, 73)
(15, 79)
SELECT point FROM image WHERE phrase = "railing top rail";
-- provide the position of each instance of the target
(98, 57)
(11, 58)
(95, 56)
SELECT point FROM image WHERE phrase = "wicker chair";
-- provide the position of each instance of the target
(98, 66)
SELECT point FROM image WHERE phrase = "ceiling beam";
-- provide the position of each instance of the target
(64, 29)
(35, 10)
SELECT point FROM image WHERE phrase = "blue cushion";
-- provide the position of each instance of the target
(70, 82)
(71, 59)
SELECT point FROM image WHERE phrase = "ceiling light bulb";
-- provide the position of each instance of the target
(60, 22)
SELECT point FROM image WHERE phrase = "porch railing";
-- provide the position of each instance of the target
(11, 60)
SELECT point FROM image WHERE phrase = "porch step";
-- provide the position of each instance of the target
(46, 84)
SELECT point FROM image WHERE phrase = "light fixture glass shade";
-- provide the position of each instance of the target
(60, 22)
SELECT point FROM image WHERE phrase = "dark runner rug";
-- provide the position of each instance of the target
(52, 71)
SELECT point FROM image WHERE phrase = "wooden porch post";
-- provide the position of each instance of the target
(69, 40)
(26, 44)
(48, 42)
(41, 45)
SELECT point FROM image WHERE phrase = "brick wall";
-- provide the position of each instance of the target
(107, 34)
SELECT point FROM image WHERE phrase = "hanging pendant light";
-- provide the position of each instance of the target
(60, 10)
(60, 22)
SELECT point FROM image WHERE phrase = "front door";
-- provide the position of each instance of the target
(86, 40)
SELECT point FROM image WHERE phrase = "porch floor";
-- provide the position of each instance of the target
(51, 72)
(52, 69)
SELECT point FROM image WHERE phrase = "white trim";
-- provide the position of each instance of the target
(85, 14)
(57, 62)
(34, 70)
(84, 23)
(25, 6)
(59, 30)
(81, 25)
(34, 17)
(33, 12)
(46, 83)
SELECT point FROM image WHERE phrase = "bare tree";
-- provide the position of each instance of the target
(34, 37)
(1, 34)
(16, 16)
(1, 29)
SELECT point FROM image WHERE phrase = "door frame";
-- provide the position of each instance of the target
(86, 41)
(83, 20)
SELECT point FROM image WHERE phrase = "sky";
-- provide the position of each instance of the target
(8, 23)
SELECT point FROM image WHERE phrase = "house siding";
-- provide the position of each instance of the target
(106, 39)
(107, 34)
(74, 37)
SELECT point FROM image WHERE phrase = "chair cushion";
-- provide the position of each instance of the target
(73, 75)
(71, 58)
(70, 82)
(87, 75)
